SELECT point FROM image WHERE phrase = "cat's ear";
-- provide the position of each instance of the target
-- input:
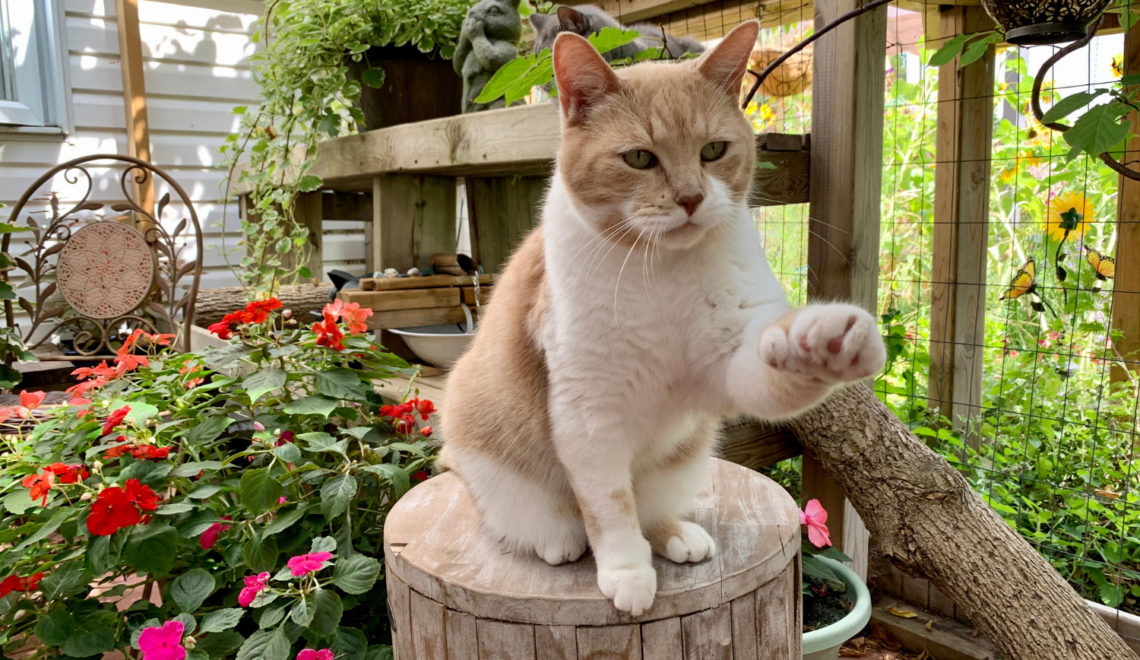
(540, 21)
(726, 62)
(571, 19)
(583, 77)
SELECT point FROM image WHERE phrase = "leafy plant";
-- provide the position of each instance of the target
(11, 345)
(233, 498)
(306, 96)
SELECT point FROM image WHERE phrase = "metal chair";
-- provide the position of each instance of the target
(94, 270)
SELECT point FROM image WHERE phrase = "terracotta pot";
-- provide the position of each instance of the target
(1029, 22)
(417, 86)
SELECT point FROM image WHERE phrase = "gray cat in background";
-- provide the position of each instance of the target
(588, 19)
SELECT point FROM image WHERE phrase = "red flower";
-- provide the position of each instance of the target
(426, 407)
(328, 333)
(406, 424)
(111, 511)
(285, 437)
(130, 362)
(254, 584)
(221, 329)
(420, 475)
(68, 474)
(210, 536)
(150, 452)
(258, 310)
(114, 419)
(79, 389)
(141, 495)
(29, 401)
(162, 340)
(426, 431)
(99, 371)
(17, 583)
(119, 450)
(350, 313)
(39, 485)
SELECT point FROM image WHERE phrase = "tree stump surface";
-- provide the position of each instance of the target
(455, 593)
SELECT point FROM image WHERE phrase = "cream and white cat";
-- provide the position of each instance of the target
(631, 321)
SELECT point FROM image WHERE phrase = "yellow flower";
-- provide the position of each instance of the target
(1071, 213)
(1118, 65)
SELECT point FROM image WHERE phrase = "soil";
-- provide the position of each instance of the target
(823, 604)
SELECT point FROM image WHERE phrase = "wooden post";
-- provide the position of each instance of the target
(502, 211)
(1126, 286)
(845, 193)
(961, 211)
(134, 94)
(308, 212)
(413, 217)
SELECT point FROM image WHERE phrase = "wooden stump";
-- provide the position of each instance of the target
(455, 593)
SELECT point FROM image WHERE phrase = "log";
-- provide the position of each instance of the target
(213, 304)
(455, 594)
(930, 523)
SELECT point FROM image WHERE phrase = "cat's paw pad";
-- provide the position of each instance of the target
(563, 550)
(689, 542)
(833, 343)
(631, 588)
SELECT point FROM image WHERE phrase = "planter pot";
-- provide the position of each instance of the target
(417, 86)
(792, 76)
(1029, 22)
(824, 643)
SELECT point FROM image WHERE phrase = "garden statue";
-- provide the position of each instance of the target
(487, 41)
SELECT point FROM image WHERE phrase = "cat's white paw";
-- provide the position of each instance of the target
(833, 343)
(631, 588)
(565, 549)
(689, 542)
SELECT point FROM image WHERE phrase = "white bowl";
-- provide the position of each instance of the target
(438, 345)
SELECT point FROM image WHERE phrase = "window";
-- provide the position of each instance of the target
(33, 83)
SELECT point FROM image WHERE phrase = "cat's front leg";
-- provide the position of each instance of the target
(783, 368)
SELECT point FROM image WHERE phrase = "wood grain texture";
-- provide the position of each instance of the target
(134, 94)
(502, 210)
(462, 638)
(556, 642)
(505, 641)
(414, 219)
(662, 639)
(386, 301)
(415, 318)
(399, 608)
(428, 638)
(708, 634)
(1126, 286)
(772, 623)
(617, 642)
(745, 640)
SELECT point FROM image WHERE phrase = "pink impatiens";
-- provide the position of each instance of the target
(310, 563)
(815, 518)
(163, 642)
(210, 536)
(254, 584)
(310, 654)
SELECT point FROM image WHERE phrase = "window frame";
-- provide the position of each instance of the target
(37, 77)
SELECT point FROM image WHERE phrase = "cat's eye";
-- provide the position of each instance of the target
(639, 159)
(713, 150)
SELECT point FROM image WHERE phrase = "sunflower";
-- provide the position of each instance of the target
(1069, 213)
(1118, 65)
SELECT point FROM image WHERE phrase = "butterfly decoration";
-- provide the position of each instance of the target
(1105, 267)
(1024, 283)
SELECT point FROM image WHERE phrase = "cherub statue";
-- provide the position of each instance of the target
(487, 41)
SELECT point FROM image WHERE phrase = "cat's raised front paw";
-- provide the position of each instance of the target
(833, 343)
(683, 542)
(631, 588)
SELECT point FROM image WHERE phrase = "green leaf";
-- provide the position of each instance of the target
(193, 468)
(320, 441)
(270, 617)
(220, 644)
(103, 552)
(393, 474)
(976, 49)
(95, 635)
(336, 494)
(373, 78)
(265, 645)
(204, 491)
(284, 521)
(260, 491)
(151, 548)
(328, 612)
(1098, 130)
(56, 627)
(43, 532)
(505, 77)
(311, 405)
(66, 580)
(949, 50)
(220, 620)
(609, 38)
(349, 644)
(340, 383)
(208, 430)
(323, 544)
(303, 612)
(288, 452)
(191, 589)
(1069, 105)
(309, 183)
(19, 501)
(356, 574)
(151, 473)
(260, 554)
(262, 382)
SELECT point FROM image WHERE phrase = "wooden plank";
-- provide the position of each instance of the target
(787, 183)
(347, 206)
(462, 639)
(708, 634)
(134, 94)
(555, 643)
(502, 210)
(756, 444)
(610, 642)
(961, 212)
(414, 318)
(774, 623)
(845, 191)
(399, 609)
(422, 282)
(413, 219)
(385, 301)
(662, 639)
(946, 640)
(307, 212)
(427, 629)
(468, 293)
(745, 642)
(505, 641)
(1126, 286)
(636, 11)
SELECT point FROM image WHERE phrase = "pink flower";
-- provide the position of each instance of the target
(310, 654)
(254, 584)
(310, 563)
(210, 536)
(814, 517)
(162, 643)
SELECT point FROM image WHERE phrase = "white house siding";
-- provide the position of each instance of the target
(196, 69)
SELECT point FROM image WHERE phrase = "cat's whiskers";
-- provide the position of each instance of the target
(599, 238)
(617, 280)
(597, 260)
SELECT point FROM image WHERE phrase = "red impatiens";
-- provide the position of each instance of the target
(310, 563)
(139, 451)
(41, 484)
(21, 584)
(328, 332)
(403, 416)
(350, 313)
(254, 584)
(29, 401)
(210, 536)
(114, 419)
(254, 313)
(116, 508)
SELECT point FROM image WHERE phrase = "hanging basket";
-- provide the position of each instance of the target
(1034, 22)
(790, 78)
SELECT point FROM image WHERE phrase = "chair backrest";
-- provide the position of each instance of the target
(94, 269)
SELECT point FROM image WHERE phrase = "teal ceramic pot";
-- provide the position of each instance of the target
(823, 644)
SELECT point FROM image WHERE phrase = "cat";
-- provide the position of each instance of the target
(639, 313)
(585, 20)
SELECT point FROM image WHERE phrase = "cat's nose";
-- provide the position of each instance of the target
(689, 202)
